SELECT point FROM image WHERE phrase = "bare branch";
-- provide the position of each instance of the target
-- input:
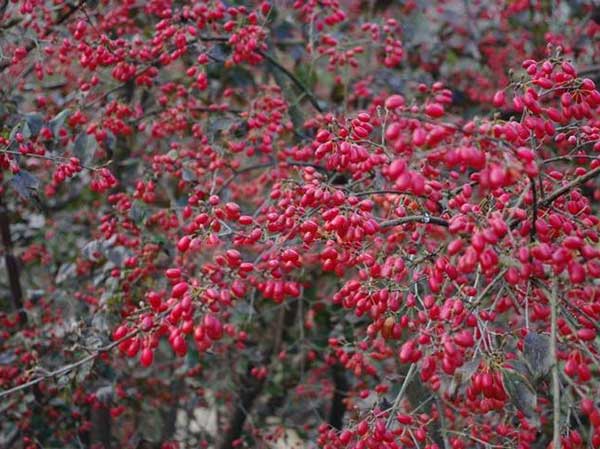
(68, 368)
(294, 79)
(553, 357)
(425, 219)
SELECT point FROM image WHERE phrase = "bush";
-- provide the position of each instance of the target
(343, 224)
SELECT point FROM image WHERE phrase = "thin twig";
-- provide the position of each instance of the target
(443, 430)
(554, 359)
(534, 210)
(426, 219)
(68, 368)
(570, 186)
(400, 395)
(56, 159)
(487, 289)
(547, 202)
(294, 79)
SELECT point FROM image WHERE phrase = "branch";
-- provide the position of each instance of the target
(570, 186)
(55, 159)
(12, 268)
(534, 210)
(554, 359)
(407, 379)
(442, 415)
(251, 388)
(266, 165)
(294, 79)
(547, 202)
(426, 219)
(338, 409)
(68, 368)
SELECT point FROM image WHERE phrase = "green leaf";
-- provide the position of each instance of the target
(58, 121)
(188, 175)
(138, 212)
(18, 128)
(92, 250)
(83, 148)
(35, 123)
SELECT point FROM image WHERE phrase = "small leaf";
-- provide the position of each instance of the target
(92, 250)
(83, 148)
(58, 121)
(26, 130)
(65, 271)
(18, 128)
(536, 350)
(116, 255)
(35, 122)
(188, 175)
(137, 212)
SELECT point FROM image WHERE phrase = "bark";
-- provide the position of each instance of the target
(12, 266)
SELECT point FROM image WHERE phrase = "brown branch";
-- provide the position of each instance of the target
(555, 373)
(534, 211)
(68, 368)
(12, 267)
(425, 219)
(338, 409)
(570, 186)
(250, 389)
(101, 423)
(311, 98)
(547, 202)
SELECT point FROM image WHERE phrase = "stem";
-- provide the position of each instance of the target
(67, 368)
(555, 378)
(55, 159)
(426, 219)
(338, 409)
(407, 379)
(311, 98)
(547, 202)
(534, 211)
(570, 186)
(443, 428)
